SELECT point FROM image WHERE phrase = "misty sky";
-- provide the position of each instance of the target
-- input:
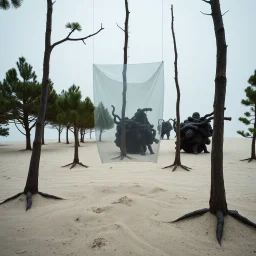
(22, 34)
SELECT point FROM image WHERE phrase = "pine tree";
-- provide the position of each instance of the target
(5, 113)
(75, 112)
(250, 117)
(24, 92)
(103, 120)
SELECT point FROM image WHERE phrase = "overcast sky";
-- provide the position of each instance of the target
(22, 34)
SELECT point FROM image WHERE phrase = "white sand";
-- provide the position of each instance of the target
(120, 208)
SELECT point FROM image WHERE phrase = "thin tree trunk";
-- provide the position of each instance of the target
(217, 195)
(123, 139)
(81, 135)
(177, 153)
(67, 141)
(28, 140)
(43, 143)
(59, 132)
(32, 179)
(253, 153)
(100, 134)
(76, 158)
(90, 133)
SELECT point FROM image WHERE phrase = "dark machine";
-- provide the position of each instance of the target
(139, 133)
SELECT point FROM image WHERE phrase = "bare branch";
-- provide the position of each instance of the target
(120, 27)
(53, 2)
(19, 129)
(206, 13)
(75, 39)
(208, 2)
(225, 13)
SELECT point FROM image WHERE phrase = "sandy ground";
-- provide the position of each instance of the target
(121, 208)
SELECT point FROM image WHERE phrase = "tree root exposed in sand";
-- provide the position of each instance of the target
(248, 159)
(74, 164)
(29, 198)
(175, 166)
(220, 220)
(122, 156)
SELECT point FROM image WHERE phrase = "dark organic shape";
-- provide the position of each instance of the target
(29, 198)
(166, 128)
(12, 197)
(239, 217)
(248, 159)
(74, 164)
(220, 224)
(139, 133)
(195, 133)
(192, 214)
(220, 220)
(175, 166)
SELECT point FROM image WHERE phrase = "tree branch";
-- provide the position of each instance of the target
(120, 27)
(206, 13)
(208, 2)
(19, 129)
(225, 13)
(75, 39)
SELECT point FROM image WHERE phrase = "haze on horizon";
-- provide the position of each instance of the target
(23, 30)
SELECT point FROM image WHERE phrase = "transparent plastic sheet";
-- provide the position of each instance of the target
(145, 90)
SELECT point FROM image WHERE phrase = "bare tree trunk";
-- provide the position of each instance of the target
(100, 134)
(59, 132)
(253, 153)
(76, 157)
(32, 179)
(67, 141)
(123, 139)
(28, 140)
(177, 161)
(43, 143)
(90, 133)
(218, 196)
(177, 152)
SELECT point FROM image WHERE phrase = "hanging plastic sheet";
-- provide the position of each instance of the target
(143, 111)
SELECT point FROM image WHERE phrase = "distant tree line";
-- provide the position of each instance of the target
(19, 102)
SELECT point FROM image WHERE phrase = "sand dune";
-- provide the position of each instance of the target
(121, 208)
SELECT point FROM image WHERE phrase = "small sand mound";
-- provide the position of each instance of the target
(124, 200)
(98, 242)
(98, 210)
(158, 189)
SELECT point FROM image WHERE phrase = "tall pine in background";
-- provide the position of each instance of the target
(103, 119)
(249, 118)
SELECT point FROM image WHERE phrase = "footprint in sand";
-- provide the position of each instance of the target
(124, 200)
(98, 210)
(158, 189)
(98, 242)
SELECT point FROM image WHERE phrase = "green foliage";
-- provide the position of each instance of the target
(22, 91)
(73, 110)
(74, 26)
(103, 119)
(5, 114)
(6, 4)
(250, 101)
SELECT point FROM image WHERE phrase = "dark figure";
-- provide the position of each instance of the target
(195, 133)
(166, 128)
(139, 133)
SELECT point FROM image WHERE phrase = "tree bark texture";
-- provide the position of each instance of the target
(59, 132)
(217, 195)
(253, 153)
(43, 142)
(177, 153)
(76, 157)
(32, 178)
(123, 139)
(67, 141)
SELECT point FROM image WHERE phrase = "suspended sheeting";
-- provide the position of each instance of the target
(144, 108)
